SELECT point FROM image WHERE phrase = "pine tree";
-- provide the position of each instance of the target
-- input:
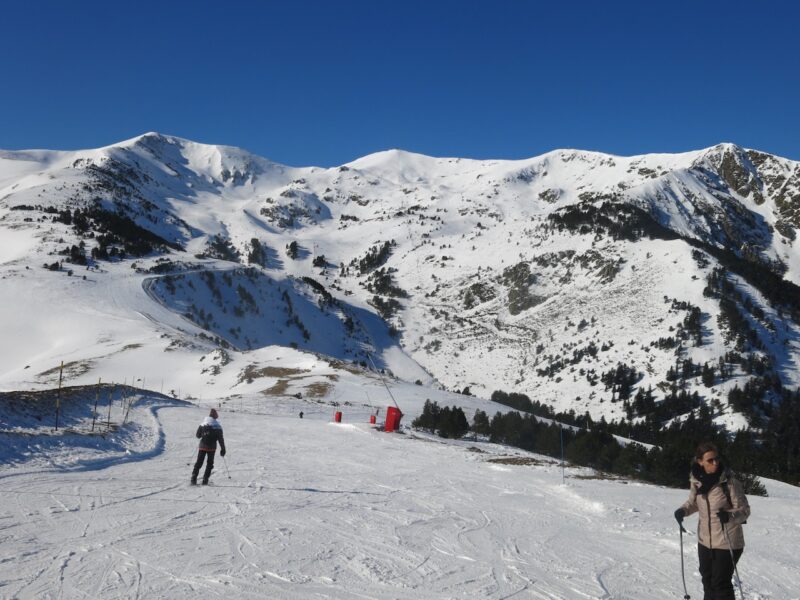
(429, 417)
(256, 255)
(708, 375)
(480, 423)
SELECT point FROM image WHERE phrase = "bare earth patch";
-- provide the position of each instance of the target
(318, 389)
(606, 476)
(251, 372)
(279, 389)
(71, 369)
(517, 460)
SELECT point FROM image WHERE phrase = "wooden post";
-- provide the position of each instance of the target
(122, 399)
(561, 428)
(58, 393)
(110, 400)
(127, 410)
(96, 398)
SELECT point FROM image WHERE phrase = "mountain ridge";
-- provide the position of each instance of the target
(460, 258)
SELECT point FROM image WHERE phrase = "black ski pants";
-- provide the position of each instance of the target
(201, 454)
(716, 569)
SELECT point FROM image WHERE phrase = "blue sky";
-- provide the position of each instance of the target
(322, 83)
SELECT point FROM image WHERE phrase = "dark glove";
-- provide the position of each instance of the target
(222, 452)
(679, 514)
(724, 516)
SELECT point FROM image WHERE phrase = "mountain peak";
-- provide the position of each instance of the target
(146, 138)
(393, 156)
(722, 149)
(226, 164)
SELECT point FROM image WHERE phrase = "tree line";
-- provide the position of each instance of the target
(771, 450)
(597, 447)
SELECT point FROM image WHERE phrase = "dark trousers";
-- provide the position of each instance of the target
(716, 569)
(201, 454)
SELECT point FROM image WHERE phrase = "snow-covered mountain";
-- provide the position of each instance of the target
(575, 277)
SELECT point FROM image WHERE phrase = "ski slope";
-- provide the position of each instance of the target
(313, 509)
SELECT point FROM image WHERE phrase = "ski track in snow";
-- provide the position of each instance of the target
(316, 510)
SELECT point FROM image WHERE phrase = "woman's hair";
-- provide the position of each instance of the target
(703, 448)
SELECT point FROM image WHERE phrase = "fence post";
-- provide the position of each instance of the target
(96, 398)
(561, 427)
(127, 410)
(122, 400)
(58, 393)
(110, 401)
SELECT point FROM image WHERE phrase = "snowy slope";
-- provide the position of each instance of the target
(485, 276)
(312, 509)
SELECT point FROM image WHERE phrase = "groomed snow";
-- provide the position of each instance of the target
(313, 509)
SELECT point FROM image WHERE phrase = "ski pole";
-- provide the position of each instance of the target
(225, 462)
(192, 455)
(686, 595)
(733, 558)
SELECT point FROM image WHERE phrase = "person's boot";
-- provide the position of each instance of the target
(205, 481)
(193, 481)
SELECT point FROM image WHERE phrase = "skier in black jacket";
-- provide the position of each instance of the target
(209, 432)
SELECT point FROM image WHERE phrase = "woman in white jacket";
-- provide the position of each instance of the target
(718, 498)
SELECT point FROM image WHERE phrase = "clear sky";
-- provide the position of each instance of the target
(321, 83)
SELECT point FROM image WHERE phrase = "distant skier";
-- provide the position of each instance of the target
(301, 414)
(719, 499)
(209, 432)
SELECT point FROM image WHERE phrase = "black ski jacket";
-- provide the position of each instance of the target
(209, 436)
